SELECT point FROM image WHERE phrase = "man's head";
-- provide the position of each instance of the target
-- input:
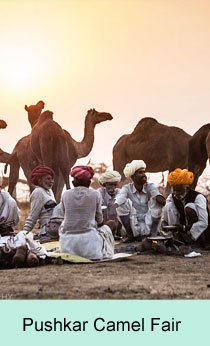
(109, 180)
(82, 175)
(42, 176)
(180, 179)
(180, 191)
(139, 177)
(136, 171)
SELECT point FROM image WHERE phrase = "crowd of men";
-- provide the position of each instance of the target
(87, 222)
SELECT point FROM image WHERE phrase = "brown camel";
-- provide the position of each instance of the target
(22, 156)
(22, 149)
(162, 147)
(60, 145)
(49, 145)
(92, 118)
(4, 156)
(199, 152)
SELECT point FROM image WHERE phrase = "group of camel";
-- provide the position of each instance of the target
(162, 147)
(51, 145)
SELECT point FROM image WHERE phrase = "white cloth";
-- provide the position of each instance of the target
(144, 206)
(171, 215)
(79, 234)
(42, 204)
(96, 244)
(9, 212)
(109, 177)
(132, 167)
(21, 239)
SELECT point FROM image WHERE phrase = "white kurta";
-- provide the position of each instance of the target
(42, 204)
(171, 214)
(9, 212)
(79, 234)
(144, 206)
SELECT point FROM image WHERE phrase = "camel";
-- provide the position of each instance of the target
(22, 155)
(199, 152)
(4, 156)
(56, 148)
(162, 147)
(93, 117)
(49, 145)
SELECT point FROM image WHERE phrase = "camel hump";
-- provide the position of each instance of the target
(46, 115)
(147, 121)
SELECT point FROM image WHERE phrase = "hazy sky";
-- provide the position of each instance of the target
(130, 58)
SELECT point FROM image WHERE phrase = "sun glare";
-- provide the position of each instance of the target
(22, 69)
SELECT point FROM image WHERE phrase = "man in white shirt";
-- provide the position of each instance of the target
(83, 232)
(109, 181)
(147, 202)
(186, 209)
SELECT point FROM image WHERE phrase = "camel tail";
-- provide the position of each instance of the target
(5, 168)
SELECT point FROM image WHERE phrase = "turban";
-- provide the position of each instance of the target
(109, 177)
(180, 177)
(82, 172)
(39, 171)
(132, 167)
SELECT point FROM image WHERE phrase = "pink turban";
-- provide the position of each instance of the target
(82, 172)
(180, 177)
(39, 171)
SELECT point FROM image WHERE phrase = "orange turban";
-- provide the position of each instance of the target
(39, 171)
(180, 177)
(82, 172)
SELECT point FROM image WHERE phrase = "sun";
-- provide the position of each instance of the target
(22, 68)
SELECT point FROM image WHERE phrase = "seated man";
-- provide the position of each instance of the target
(44, 208)
(83, 232)
(147, 202)
(109, 181)
(9, 214)
(186, 209)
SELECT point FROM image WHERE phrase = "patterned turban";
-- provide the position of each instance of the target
(39, 172)
(180, 177)
(109, 177)
(82, 172)
(132, 167)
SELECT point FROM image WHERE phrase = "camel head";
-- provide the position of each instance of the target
(3, 124)
(34, 112)
(98, 117)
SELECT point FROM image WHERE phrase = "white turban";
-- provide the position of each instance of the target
(109, 177)
(132, 167)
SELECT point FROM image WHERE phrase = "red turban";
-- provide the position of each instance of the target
(82, 172)
(39, 171)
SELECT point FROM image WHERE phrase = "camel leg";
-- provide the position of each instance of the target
(13, 176)
(65, 168)
(48, 154)
(59, 188)
(55, 186)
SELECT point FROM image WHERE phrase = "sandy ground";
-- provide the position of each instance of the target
(143, 276)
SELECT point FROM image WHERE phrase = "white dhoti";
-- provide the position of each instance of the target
(93, 244)
(141, 223)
